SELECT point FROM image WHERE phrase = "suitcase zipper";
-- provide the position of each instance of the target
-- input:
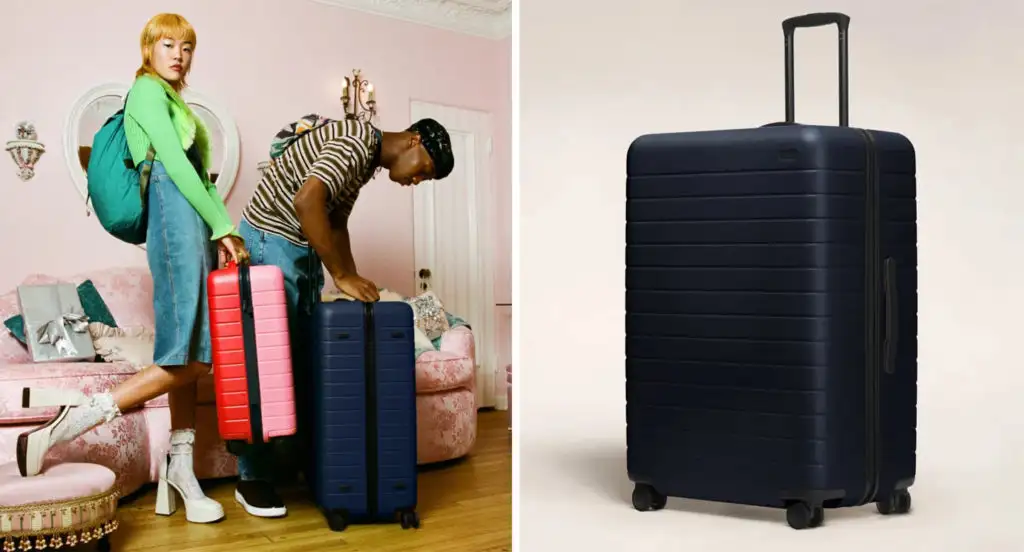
(872, 248)
(892, 321)
(371, 408)
(252, 368)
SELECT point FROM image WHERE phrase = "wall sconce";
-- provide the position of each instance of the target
(25, 150)
(356, 107)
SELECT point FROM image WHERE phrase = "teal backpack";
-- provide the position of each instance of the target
(116, 188)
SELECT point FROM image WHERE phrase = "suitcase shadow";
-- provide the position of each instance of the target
(604, 470)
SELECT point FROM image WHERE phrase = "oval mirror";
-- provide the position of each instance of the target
(97, 105)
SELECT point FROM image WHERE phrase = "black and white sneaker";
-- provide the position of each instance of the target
(260, 499)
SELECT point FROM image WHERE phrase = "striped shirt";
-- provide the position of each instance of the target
(342, 154)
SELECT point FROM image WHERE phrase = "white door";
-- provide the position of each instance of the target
(454, 237)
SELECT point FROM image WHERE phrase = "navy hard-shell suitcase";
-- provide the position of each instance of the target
(364, 413)
(771, 313)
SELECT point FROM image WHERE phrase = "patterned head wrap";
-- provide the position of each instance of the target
(438, 144)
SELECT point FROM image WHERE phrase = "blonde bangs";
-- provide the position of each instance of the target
(164, 25)
(167, 25)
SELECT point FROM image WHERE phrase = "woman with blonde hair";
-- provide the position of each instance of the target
(186, 217)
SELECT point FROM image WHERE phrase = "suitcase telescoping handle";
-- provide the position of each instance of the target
(789, 26)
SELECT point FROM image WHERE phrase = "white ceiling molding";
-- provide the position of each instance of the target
(484, 18)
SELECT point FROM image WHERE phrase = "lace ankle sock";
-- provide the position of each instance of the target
(100, 408)
(180, 470)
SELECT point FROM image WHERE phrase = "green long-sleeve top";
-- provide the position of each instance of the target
(155, 114)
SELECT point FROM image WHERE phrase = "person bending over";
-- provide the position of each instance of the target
(298, 220)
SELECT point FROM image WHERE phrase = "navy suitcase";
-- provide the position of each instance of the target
(771, 313)
(363, 438)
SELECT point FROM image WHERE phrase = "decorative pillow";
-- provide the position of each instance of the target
(388, 295)
(93, 305)
(130, 345)
(16, 325)
(454, 321)
(429, 315)
(422, 343)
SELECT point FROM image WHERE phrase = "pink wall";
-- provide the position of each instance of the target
(268, 62)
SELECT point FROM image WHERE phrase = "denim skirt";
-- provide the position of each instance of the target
(180, 256)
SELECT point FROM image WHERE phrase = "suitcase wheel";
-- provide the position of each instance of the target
(898, 503)
(337, 520)
(646, 498)
(801, 515)
(410, 519)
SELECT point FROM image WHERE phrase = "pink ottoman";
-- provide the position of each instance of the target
(63, 506)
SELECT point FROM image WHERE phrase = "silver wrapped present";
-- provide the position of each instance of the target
(56, 327)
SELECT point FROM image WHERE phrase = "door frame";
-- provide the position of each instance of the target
(483, 314)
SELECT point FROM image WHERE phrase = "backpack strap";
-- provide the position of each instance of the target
(144, 173)
(147, 167)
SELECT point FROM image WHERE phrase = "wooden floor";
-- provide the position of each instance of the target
(465, 505)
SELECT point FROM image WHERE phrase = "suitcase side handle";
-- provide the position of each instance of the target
(891, 316)
(789, 26)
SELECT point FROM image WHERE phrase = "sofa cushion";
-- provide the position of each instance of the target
(132, 345)
(442, 371)
(11, 350)
(88, 377)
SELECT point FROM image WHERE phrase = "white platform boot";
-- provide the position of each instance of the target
(178, 476)
(78, 414)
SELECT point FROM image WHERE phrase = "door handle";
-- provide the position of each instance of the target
(424, 275)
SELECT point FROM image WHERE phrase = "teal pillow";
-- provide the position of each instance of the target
(92, 303)
(17, 327)
(454, 322)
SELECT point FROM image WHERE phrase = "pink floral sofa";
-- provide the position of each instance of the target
(133, 444)
(446, 398)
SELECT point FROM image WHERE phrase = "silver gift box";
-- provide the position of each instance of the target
(56, 327)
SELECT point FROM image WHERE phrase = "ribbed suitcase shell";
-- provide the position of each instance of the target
(771, 312)
(748, 374)
(364, 412)
(250, 336)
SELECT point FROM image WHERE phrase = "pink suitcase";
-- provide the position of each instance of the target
(252, 364)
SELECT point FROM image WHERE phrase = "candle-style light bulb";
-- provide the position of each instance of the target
(370, 91)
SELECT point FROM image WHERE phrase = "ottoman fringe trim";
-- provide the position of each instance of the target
(68, 523)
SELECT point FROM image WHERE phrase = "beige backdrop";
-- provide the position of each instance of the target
(949, 77)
